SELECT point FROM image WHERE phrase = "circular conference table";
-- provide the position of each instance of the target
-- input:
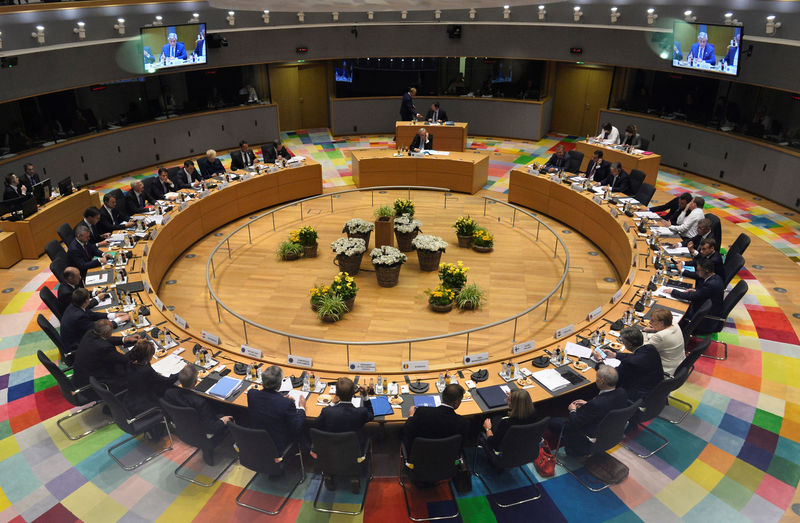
(611, 230)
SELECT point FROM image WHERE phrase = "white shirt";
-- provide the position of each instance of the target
(613, 136)
(669, 344)
(687, 224)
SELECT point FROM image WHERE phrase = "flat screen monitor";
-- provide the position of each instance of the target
(29, 207)
(707, 47)
(170, 46)
(65, 186)
(344, 72)
(42, 191)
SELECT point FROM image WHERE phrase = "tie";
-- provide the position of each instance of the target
(113, 221)
(436, 116)
(188, 178)
(85, 250)
(591, 173)
(172, 52)
(613, 182)
(141, 200)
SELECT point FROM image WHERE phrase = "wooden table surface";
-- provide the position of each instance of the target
(647, 163)
(445, 137)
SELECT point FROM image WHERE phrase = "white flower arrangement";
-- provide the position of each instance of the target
(426, 242)
(387, 255)
(358, 226)
(406, 223)
(349, 246)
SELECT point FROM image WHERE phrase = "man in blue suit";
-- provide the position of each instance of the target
(732, 56)
(77, 319)
(82, 253)
(709, 286)
(272, 411)
(702, 50)
(210, 165)
(173, 48)
(200, 46)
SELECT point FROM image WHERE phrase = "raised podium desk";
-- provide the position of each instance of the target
(445, 137)
(647, 163)
(461, 172)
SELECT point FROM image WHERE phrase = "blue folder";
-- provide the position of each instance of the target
(380, 406)
(424, 401)
(224, 387)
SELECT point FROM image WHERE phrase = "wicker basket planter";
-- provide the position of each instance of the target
(350, 264)
(388, 275)
(404, 240)
(429, 260)
(464, 241)
(441, 308)
(310, 251)
(363, 235)
(480, 248)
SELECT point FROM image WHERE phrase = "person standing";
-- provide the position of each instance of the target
(408, 111)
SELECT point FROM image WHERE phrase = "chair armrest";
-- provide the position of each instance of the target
(285, 452)
(715, 318)
(144, 414)
(82, 389)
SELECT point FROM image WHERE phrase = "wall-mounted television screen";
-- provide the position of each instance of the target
(170, 46)
(707, 47)
(344, 72)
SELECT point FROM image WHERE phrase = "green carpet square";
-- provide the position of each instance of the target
(477, 507)
(784, 470)
(767, 421)
(732, 493)
(745, 474)
(45, 382)
(5, 429)
(525, 158)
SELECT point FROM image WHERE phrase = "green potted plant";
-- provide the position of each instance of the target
(402, 207)
(453, 275)
(331, 308)
(317, 292)
(465, 227)
(482, 240)
(429, 251)
(440, 299)
(471, 297)
(307, 236)
(288, 250)
(406, 229)
(349, 252)
(384, 225)
(345, 287)
(387, 262)
(358, 228)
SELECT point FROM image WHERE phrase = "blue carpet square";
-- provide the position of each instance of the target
(565, 490)
(544, 507)
(755, 456)
(727, 441)
(16, 392)
(735, 426)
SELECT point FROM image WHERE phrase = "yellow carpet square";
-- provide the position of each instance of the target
(681, 495)
(704, 475)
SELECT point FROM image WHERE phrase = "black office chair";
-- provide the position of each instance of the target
(682, 373)
(431, 461)
(645, 144)
(645, 193)
(55, 337)
(133, 425)
(739, 245)
(66, 233)
(518, 448)
(637, 179)
(716, 228)
(51, 301)
(652, 406)
(258, 452)
(728, 303)
(58, 265)
(53, 249)
(574, 161)
(172, 172)
(267, 149)
(732, 265)
(82, 397)
(610, 432)
(689, 325)
(117, 194)
(340, 455)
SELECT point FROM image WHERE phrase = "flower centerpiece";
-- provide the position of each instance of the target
(453, 276)
(345, 287)
(406, 229)
(384, 225)
(482, 240)
(317, 292)
(465, 228)
(471, 297)
(402, 207)
(289, 250)
(307, 237)
(358, 228)
(429, 251)
(387, 261)
(349, 252)
(331, 308)
(440, 299)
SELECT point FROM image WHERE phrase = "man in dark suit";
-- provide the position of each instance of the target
(110, 218)
(83, 254)
(706, 251)
(200, 45)
(709, 286)
(640, 370)
(703, 232)
(702, 50)
(272, 411)
(617, 179)
(173, 48)
(210, 165)
(585, 416)
(407, 108)
(673, 207)
(137, 199)
(272, 151)
(557, 161)
(29, 177)
(732, 56)
(96, 356)
(78, 319)
(437, 422)
(187, 176)
(72, 280)
(242, 158)
(436, 114)
(91, 218)
(160, 185)
(14, 189)
(423, 141)
(597, 170)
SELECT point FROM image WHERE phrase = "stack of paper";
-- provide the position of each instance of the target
(225, 387)
(169, 365)
(677, 251)
(662, 231)
(647, 214)
(551, 379)
(573, 349)
(95, 279)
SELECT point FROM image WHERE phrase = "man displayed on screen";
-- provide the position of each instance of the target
(200, 46)
(149, 57)
(731, 58)
(173, 48)
(702, 50)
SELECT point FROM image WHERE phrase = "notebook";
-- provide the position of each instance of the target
(493, 396)
(224, 387)
(380, 406)
(424, 401)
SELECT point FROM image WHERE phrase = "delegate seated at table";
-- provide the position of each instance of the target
(702, 50)
(423, 141)
(173, 48)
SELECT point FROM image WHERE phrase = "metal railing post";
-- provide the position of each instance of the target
(219, 316)
(289, 339)
(244, 326)
(514, 218)
(467, 352)
(546, 308)
(249, 234)
(331, 203)
(229, 248)
(484, 206)
(538, 224)
(514, 337)
(301, 211)
(273, 223)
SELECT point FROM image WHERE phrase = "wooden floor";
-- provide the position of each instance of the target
(520, 272)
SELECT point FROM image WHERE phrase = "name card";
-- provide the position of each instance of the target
(635, 262)
(222, 185)
(598, 200)
(146, 248)
(144, 268)
(147, 287)
(627, 227)
(594, 314)
(577, 187)
(634, 244)
(300, 361)
(202, 194)
(480, 357)
(183, 206)
(246, 177)
(630, 277)
(565, 331)
(415, 365)
(180, 321)
(154, 234)
(166, 219)
(362, 366)
(525, 346)
(614, 212)
(208, 337)
(251, 351)
(159, 303)
(617, 296)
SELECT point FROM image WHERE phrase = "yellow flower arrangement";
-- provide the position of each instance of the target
(318, 291)
(453, 276)
(344, 286)
(440, 295)
(306, 235)
(465, 226)
(482, 238)
(294, 236)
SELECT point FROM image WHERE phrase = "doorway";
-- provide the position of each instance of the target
(581, 92)
(301, 93)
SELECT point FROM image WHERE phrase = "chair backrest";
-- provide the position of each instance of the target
(51, 301)
(53, 334)
(716, 228)
(733, 298)
(435, 459)
(119, 413)
(257, 451)
(733, 264)
(645, 144)
(739, 245)
(66, 233)
(338, 453)
(611, 430)
(655, 402)
(689, 325)
(645, 193)
(172, 172)
(64, 383)
(637, 179)
(687, 365)
(519, 445)
(188, 425)
(574, 161)
(53, 249)
(58, 265)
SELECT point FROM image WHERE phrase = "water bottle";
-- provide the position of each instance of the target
(306, 383)
(441, 380)
(386, 385)
(379, 386)
(312, 382)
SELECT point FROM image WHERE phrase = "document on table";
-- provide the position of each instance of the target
(225, 387)
(661, 292)
(286, 385)
(117, 238)
(551, 379)
(662, 231)
(169, 365)
(612, 362)
(439, 153)
(95, 279)
(573, 349)
(676, 251)
(295, 395)
(647, 214)
(105, 303)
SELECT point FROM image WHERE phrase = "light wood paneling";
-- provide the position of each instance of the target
(445, 137)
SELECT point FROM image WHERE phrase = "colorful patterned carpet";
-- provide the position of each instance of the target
(736, 458)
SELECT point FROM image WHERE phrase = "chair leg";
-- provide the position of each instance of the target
(585, 484)
(285, 499)
(724, 353)
(73, 414)
(520, 502)
(651, 431)
(408, 505)
(145, 460)
(685, 412)
(333, 511)
(192, 480)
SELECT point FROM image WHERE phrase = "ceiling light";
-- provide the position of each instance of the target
(614, 15)
(265, 16)
(437, 14)
(542, 12)
(301, 16)
(39, 34)
(195, 18)
(335, 16)
(772, 25)
(688, 16)
(506, 12)
(159, 20)
(651, 16)
(577, 13)
(472, 13)
(231, 18)
(370, 15)
(80, 30)
(403, 15)
(120, 26)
